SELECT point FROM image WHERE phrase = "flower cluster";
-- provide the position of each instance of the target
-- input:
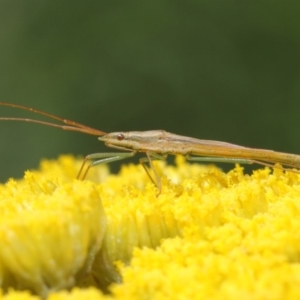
(208, 235)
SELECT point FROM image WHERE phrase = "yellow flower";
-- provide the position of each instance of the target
(49, 232)
(208, 235)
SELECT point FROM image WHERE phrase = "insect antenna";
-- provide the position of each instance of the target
(70, 125)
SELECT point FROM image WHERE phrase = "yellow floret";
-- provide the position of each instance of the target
(79, 294)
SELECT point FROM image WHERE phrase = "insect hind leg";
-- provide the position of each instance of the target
(284, 167)
(220, 159)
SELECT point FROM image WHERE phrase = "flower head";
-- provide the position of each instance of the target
(208, 235)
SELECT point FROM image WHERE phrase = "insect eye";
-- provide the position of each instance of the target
(120, 137)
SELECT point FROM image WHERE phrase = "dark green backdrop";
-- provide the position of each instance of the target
(223, 70)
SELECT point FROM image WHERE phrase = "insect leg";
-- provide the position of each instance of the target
(237, 161)
(148, 159)
(276, 166)
(102, 158)
(220, 159)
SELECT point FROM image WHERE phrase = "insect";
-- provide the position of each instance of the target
(157, 144)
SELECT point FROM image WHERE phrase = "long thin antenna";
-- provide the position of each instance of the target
(73, 126)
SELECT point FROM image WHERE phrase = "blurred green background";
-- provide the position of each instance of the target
(221, 70)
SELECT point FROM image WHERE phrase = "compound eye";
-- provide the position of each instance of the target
(120, 137)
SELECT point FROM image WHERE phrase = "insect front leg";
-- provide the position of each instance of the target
(148, 159)
(102, 158)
